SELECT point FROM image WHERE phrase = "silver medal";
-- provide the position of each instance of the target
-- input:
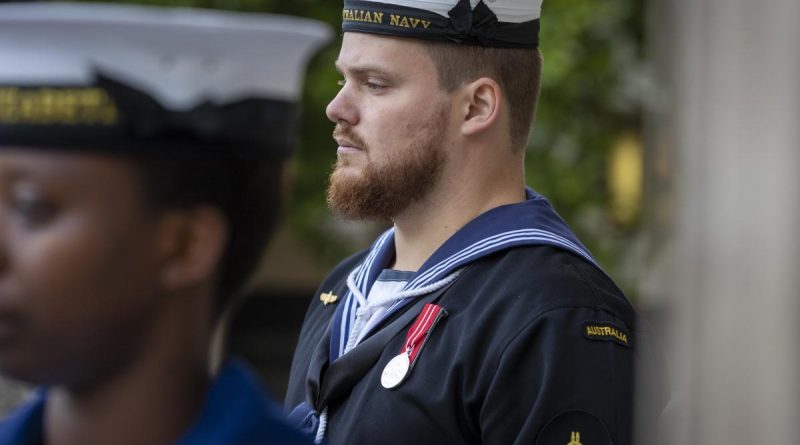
(395, 371)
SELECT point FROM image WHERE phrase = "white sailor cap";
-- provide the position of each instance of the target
(497, 23)
(134, 77)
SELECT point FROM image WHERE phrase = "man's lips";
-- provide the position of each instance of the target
(347, 150)
(346, 146)
(347, 143)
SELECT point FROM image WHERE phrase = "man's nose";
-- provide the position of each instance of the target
(342, 108)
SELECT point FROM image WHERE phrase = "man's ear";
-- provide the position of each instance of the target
(192, 244)
(481, 105)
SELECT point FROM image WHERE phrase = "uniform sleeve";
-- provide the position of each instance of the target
(565, 378)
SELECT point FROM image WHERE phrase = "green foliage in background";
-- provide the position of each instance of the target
(592, 65)
(593, 58)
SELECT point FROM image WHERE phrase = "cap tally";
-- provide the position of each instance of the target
(147, 79)
(494, 23)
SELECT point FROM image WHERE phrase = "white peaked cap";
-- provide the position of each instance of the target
(180, 57)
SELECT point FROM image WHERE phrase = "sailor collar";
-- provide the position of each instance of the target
(531, 222)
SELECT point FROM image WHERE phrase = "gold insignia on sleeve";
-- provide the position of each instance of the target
(328, 298)
(576, 439)
(605, 331)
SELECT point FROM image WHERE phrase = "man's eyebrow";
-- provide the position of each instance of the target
(361, 70)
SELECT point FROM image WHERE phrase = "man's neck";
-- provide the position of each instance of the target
(428, 224)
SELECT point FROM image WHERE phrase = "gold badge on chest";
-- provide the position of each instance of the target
(328, 298)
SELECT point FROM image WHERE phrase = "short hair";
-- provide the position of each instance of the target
(518, 71)
(246, 191)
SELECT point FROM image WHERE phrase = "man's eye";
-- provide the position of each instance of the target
(374, 86)
(341, 82)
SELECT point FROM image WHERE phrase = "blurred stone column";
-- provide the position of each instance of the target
(729, 114)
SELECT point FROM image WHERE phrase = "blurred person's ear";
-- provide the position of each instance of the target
(192, 244)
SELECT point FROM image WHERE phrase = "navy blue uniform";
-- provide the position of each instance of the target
(538, 345)
(237, 411)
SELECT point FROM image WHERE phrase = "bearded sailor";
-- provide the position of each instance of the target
(478, 317)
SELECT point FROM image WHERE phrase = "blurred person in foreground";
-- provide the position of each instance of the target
(479, 317)
(140, 164)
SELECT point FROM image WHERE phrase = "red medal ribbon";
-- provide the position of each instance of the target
(423, 325)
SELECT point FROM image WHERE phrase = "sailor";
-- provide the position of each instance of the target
(478, 317)
(141, 152)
